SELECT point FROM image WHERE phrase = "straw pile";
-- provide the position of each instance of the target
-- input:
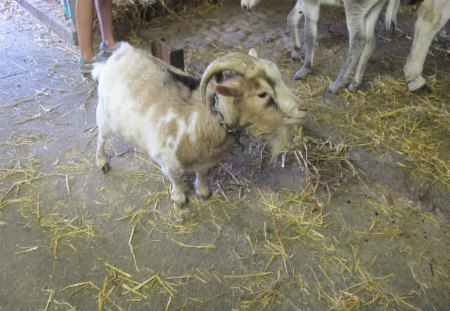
(129, 16)
(387, 120)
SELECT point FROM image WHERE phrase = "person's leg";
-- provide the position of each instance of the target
(85, 16)
(104, 13)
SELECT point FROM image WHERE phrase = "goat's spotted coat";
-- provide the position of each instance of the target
(159, 110)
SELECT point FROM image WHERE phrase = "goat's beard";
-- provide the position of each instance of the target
(275, 132)
(278, 140)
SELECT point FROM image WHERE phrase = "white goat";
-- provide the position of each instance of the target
(432, 16)
(183, 124)
(361, 18)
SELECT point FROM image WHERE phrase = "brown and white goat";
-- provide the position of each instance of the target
(184, 125)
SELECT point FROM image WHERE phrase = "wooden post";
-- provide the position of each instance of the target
(173, 57)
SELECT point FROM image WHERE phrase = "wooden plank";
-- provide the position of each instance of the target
(161, 50)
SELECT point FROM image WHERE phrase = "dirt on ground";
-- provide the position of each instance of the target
(313, 232)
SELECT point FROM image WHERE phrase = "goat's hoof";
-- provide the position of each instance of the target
(297, 77)
(423, 90)
(302, 73)
(105, 168)
(353, 86)
(334, 87)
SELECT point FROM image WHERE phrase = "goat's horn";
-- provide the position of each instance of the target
(241, 63)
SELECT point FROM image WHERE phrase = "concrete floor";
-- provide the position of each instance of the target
(268, 239)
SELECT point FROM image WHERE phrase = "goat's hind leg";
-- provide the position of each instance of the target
(311, 11)
(293, 21)
(429, 21)
(370, 20)
(357, 41)
(103, 134)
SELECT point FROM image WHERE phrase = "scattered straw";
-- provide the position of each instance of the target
(204, 246)
(27, 250)
(132, 249)
(50, 299)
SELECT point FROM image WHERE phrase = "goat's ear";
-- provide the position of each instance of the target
(227, 90)
(253, 53)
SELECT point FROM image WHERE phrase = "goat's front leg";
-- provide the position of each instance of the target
(370, 20)
(311, 10)
(293, 21)
(103, 134)
(178, 186)
(201, 184)
(429, 21)
(357, 41)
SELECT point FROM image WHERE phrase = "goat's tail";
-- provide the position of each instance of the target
(97, 71)
(390, 19)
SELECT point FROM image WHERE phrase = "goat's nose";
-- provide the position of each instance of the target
(245, 7)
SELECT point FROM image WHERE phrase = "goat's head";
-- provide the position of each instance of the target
(249, 4)
(260, 96)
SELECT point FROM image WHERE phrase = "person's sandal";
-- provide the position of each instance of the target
(85, 67)
(105, 51)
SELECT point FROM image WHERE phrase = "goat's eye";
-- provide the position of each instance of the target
(262, 95)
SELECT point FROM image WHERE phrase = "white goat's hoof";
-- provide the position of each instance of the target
(353, 86)
(334, 87)
(418, 83)
(302, 73)
(104, 166)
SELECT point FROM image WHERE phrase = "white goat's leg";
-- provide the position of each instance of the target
(311, 10)
(429, 21)
(103, 134)
(293, 21)
(370, 21)
(357, 41)
(201, 184)
(177, 192)
(390, 17)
